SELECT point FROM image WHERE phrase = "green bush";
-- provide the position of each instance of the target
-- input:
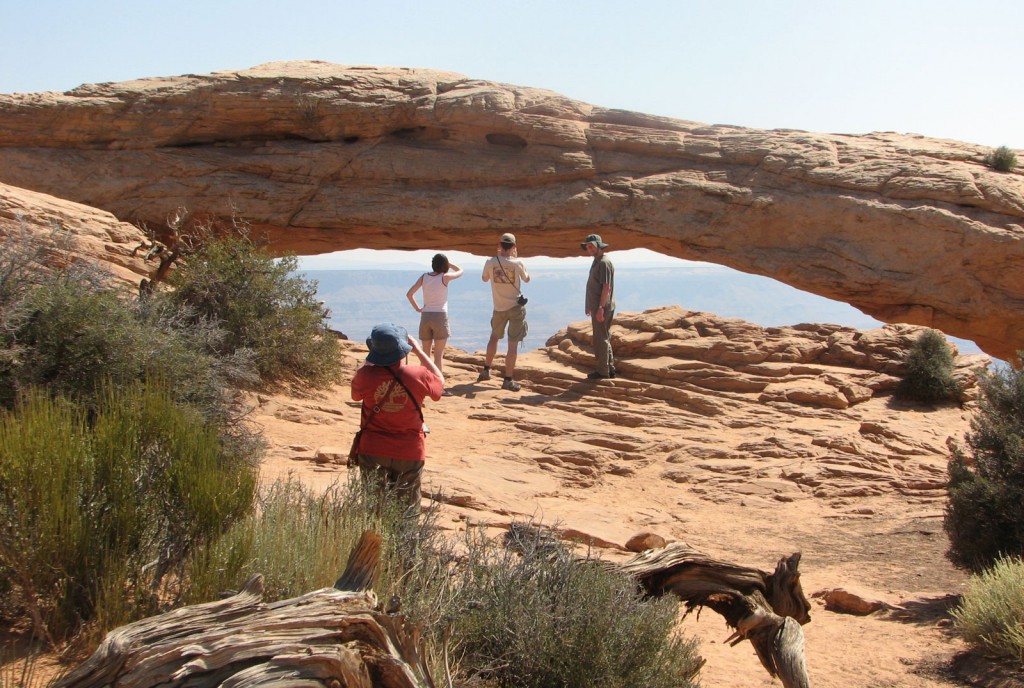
(1002, 159)
(75, 338)
(99, 505)
(985, 514)
(928, 375)
(262, 307)
(990, 615)
(541, 617)
(69, 335)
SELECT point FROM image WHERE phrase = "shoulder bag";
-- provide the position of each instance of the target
(522, 300)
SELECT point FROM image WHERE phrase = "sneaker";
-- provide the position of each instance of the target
(511, 385)
(445, 393)
(485, 374)
(598, 376)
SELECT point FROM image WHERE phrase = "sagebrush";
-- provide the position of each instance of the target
(507, 616)
(990, 616)
(537, 615)
(262, 306)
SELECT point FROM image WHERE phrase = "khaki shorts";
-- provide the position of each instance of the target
(434, 326)
(515, 318)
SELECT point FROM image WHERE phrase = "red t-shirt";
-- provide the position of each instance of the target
(396, 430)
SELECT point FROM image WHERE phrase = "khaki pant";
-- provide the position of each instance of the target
(603, 341)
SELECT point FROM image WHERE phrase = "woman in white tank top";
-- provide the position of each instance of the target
(434, 327)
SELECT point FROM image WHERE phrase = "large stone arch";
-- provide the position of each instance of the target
(325, 157)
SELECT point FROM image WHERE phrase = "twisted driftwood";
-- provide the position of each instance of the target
(336, 637)
(766, 609)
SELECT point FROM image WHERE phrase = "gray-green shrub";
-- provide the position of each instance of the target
(928, 371)
(985, 514)
(514, 619)
(1002, 159)
(990, 616)
(539, 617)
(262, 306)
(99, 505)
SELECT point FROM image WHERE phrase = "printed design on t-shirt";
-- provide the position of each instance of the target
(395, 400)
(501, 276)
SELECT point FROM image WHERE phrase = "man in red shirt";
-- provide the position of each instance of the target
(391, 448)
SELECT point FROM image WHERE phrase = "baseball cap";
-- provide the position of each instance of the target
(508, 238)
(594, 239)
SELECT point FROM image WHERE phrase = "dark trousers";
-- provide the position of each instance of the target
(400, 477)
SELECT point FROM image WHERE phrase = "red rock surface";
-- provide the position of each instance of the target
(325, 157)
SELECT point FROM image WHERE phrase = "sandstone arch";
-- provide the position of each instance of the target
(326, 157)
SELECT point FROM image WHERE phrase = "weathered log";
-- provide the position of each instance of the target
(363, 566)
(766, 609)
(331, 638)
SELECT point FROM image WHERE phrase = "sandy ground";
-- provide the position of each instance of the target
(490, 460)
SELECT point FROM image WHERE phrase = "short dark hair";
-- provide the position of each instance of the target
(440, 263)
(507, 245)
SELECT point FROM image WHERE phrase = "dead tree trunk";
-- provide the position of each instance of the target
(332, 638)
(766, 609)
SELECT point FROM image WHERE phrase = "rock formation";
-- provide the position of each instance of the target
(742, 441)
(325, 157)
(72, 231)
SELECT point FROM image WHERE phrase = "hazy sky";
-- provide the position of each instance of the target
(936, 67)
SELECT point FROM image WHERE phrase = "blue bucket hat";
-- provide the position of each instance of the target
(388, 344)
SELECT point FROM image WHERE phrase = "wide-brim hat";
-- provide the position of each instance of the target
(594, 239)
(388, 344)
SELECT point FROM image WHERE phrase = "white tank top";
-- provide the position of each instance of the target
(435, 293)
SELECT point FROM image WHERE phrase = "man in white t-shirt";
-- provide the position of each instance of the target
(505, 272)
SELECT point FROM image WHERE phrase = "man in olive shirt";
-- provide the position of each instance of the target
(601, 305)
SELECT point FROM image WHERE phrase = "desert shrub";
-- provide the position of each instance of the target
(71, 337)
(298, 539)
(990, 616)
(262, 306)
(537, 616)
(1002, 159)
(75, 338)
(99, 505)
(66, 327)
(928, 375)
(513, 619)
(985, 514)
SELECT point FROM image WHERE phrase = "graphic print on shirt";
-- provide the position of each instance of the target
(395, 401)
(505, 276)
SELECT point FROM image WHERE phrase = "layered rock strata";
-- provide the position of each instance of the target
(325, 157)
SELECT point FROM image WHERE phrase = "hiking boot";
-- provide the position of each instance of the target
(446, 392)
(511, 385)
(598, 376)
(485, 374)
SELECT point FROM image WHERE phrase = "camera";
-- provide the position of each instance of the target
(522, 300)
